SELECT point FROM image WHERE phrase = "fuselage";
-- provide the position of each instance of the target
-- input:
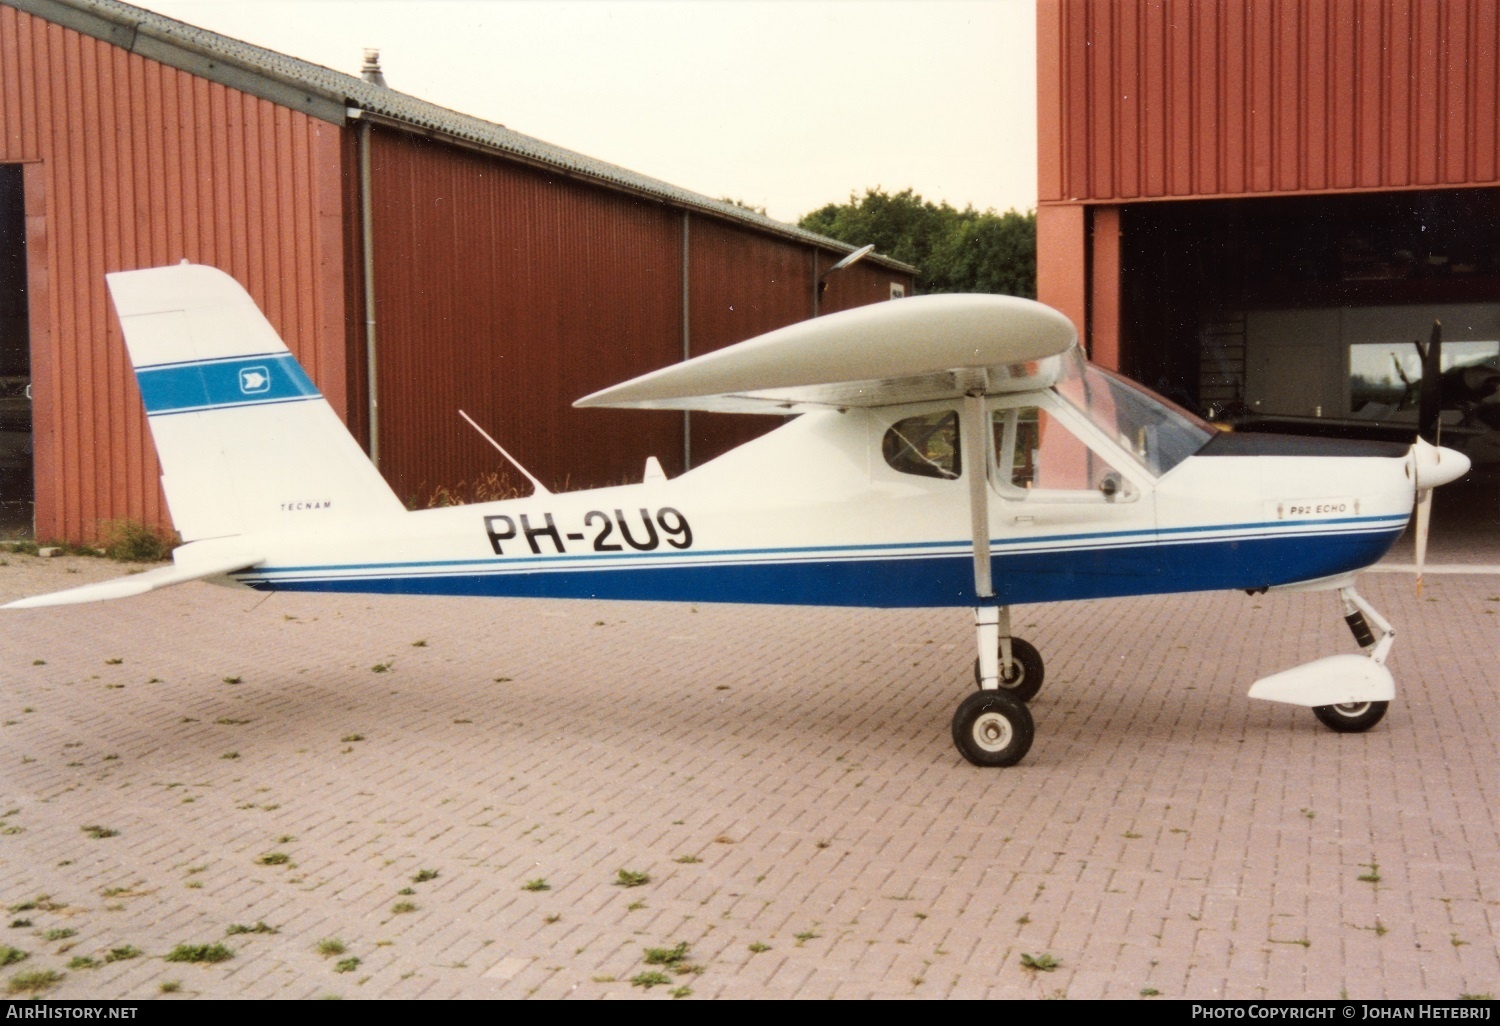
(1096, 489)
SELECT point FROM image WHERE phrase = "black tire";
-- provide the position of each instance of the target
(1027, 672)
(1353, 718)
(992, 728)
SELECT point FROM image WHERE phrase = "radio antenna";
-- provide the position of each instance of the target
(541, 489)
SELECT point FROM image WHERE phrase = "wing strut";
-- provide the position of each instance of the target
(977, 456)
(987, 615)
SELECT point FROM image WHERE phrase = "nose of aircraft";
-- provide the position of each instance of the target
(1436, 465)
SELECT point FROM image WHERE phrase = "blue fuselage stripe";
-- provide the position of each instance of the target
(223, 384)
(887, 580)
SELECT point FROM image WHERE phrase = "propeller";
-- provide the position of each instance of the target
(1432, 465)
(1424, 521)
(1430, 387)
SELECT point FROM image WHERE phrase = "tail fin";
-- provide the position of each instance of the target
(245, 439)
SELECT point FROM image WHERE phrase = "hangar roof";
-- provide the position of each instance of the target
(336, 97)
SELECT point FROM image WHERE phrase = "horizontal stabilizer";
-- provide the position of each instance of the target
(910, 350)
(189, 566)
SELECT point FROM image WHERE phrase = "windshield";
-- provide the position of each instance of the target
(1157, 433)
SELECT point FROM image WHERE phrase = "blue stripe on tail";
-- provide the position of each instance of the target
(199, 385)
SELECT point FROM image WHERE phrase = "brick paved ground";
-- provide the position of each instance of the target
(784, 776)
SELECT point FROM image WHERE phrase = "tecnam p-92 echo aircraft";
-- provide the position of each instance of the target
(951, 450)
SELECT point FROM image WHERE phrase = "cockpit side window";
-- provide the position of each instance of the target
(926, 445)
(1038, 456)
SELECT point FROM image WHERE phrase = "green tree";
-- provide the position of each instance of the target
(953, 250)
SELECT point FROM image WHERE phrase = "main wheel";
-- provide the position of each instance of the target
(1026, 671)
(1352, 717)
(992, 728)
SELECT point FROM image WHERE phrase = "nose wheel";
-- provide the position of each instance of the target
(1351, 717)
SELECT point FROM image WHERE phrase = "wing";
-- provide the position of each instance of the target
(910, 350)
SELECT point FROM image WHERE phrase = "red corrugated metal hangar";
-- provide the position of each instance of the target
(474, 267)
(1258, 206)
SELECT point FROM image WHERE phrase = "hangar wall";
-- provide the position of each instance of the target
(475, 262)
(130, 163)
(1178, 98)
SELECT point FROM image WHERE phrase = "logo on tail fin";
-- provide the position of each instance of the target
(254, 380)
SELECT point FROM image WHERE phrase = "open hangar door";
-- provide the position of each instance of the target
(17, 481)
(1300, 314)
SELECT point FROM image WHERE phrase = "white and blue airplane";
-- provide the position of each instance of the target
(951, 450)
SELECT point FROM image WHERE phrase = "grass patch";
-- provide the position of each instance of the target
(627, 878)
(170, 986)
(687, 860)
(83, 962)
(650, 979)
(1373, 876)
(33, 982)
(330, 946)
(123, 953)
(1043, 963)
(208, 953)
(273, 858)
(10, 955)
(236, 928)
(98, 832)
(757, 947)
(539, 884)
(58, 933)
(402, 907)
(347, 965)
(672, 957)
(130, 541)
(424, 875)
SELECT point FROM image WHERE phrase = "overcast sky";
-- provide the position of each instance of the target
(786, 105)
